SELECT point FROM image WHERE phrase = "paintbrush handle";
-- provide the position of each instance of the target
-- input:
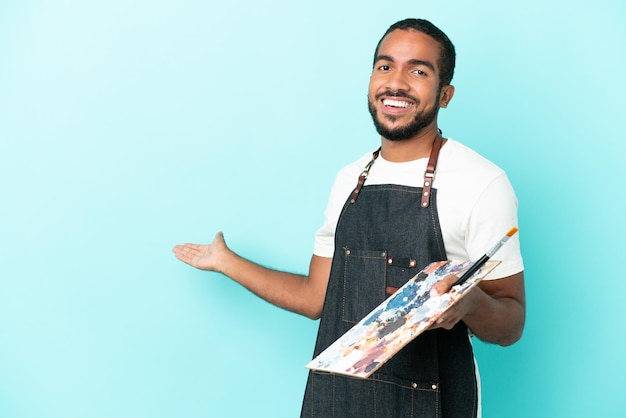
(473, 269)
(482, 260)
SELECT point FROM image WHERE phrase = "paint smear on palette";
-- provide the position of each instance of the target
(397, 321)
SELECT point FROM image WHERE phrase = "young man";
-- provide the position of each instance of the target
(396, 211)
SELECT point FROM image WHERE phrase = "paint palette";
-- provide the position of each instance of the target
(397, 321)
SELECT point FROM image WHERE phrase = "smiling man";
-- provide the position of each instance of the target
(407, 104)
(419, 197)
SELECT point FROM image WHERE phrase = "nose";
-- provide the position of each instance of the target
(397, 81)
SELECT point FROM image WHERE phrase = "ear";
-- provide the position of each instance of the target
(446, 95)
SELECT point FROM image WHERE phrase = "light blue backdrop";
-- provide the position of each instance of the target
(129, 126)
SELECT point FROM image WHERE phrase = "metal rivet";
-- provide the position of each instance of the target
(425, 193)
(424, 204)
(383, 254)
(426, 183)
(414, 385)
(347, 252)
(390, 261)
(434, 387)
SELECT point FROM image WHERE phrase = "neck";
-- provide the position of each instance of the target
(410, 149)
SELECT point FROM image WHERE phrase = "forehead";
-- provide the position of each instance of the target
(405, 45)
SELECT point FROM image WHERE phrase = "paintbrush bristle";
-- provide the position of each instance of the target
(512, 232)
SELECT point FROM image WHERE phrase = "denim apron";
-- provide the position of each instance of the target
(384, 238)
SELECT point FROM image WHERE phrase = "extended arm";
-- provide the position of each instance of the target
(294, 292)
(495, 310)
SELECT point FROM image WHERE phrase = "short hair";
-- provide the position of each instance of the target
(447, 55)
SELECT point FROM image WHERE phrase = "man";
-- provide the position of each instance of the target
(384, 207)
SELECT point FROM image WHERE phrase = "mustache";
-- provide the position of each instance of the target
(396, 93)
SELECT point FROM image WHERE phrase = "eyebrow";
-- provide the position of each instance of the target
(411, 61)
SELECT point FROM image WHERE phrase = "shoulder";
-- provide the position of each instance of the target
(457, 157)
(348, 176)
(462, 170)
(463, 175)
(345, 181)
(355, 168)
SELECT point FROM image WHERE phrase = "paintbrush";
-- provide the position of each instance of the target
(482, 260)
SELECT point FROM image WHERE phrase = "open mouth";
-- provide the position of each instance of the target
(398, 104)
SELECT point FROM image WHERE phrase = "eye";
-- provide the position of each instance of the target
(417, 71)
(384, 67)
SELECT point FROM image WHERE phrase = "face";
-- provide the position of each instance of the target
(404, 93)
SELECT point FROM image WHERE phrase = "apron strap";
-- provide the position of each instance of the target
(363, 176)
(429, 174)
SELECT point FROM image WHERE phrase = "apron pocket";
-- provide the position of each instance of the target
(401, 398)
(363, 281)
(332, 395)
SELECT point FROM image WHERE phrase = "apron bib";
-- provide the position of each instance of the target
(382, 239)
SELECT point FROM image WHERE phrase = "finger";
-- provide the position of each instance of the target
(190, 247)
(440, 322)
(447, 325)
(178, 250)
(187, 252)
(182, 255)
(445, 322)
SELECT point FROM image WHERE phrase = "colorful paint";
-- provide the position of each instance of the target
(397, 321)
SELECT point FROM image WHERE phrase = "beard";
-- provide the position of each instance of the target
(402, 133)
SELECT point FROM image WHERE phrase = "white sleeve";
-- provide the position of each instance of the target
(493, 215)
(345, 181)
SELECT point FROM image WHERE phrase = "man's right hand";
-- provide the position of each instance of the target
(205, 256)
(294, 292)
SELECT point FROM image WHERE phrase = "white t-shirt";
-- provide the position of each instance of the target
(475, 202)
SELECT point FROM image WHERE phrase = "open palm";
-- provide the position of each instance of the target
(202, 256)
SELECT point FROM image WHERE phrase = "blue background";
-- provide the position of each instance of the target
(127, 127)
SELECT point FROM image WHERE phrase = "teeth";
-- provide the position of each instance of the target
(396, 103)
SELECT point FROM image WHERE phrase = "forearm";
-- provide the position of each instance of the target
(496, 320)
(297, 293)
(293, 292)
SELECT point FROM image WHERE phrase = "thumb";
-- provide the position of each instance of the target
(443, 285)
(219, 238)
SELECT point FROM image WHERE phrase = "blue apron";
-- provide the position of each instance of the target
(385, 235)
